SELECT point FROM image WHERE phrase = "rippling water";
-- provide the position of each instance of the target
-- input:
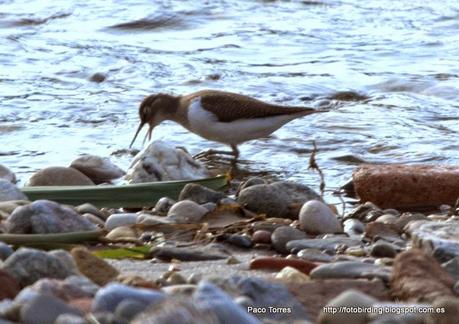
(401, 56)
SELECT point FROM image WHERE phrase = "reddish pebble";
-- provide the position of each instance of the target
(261, 237)
(83, 304)
(9, 286)
(277, 264)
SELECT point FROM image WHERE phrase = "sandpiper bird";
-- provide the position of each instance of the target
(219, 116)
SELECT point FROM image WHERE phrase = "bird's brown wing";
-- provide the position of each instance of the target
(229, 107)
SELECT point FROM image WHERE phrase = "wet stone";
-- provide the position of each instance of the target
(200, 194)
(7, 174)
(238, 240)
(194, 253)
(439, 238)
(351, 270)
(5, 251)
(59, 176)
(98, 169)
(330, 244)
(284, 234)
(9, 191)
(44, 216)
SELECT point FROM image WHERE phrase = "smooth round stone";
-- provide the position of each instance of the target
(242, 241)
(387, 219)
(349, 298)
(94, 219)
(383, 250)
(117, 220)
(200, 194)
(355, 251)
(284, 234)
(350, 269)
(129, 308)
(265, 199)
(29, 265)
(317, 218)
(98, 77)
(98, 169)
(186, 211)
(291, 275)
(59, 176)
(90, 209)
(108, 297)
(44, 216)
(261, 237)
(163, 205)
(7, 174)
(9, 191)
(353, 227)
(45, 309)
(252, 181)
(391, 211)
(84, 283)
(122, 232)
(5, 251)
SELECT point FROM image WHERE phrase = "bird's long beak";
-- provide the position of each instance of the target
(148, 134)
(137, 133)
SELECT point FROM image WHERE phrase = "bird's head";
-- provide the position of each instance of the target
(153, 110)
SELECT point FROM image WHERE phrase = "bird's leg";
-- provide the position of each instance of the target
(211, 152)
(235, 151)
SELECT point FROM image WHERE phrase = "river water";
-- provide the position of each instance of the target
(400, 57)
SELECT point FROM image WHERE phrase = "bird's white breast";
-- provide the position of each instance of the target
(206, 124)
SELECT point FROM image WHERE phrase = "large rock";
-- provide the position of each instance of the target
(7, 174)
(9, 191)
(29, 265)
(265, 199)
(59, 176)
(438, 238)
(98, 169)
(44, 216)
(417, 277)
(161, 162)
(317, 218)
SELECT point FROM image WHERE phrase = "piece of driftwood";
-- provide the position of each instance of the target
(407, 186)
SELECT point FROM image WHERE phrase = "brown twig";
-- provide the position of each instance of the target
(314, 166)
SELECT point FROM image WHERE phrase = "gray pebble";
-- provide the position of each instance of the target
(44, 309)
(284, 234)
(163, 205)
(129, 308)
(382, 249)
(242, 241)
